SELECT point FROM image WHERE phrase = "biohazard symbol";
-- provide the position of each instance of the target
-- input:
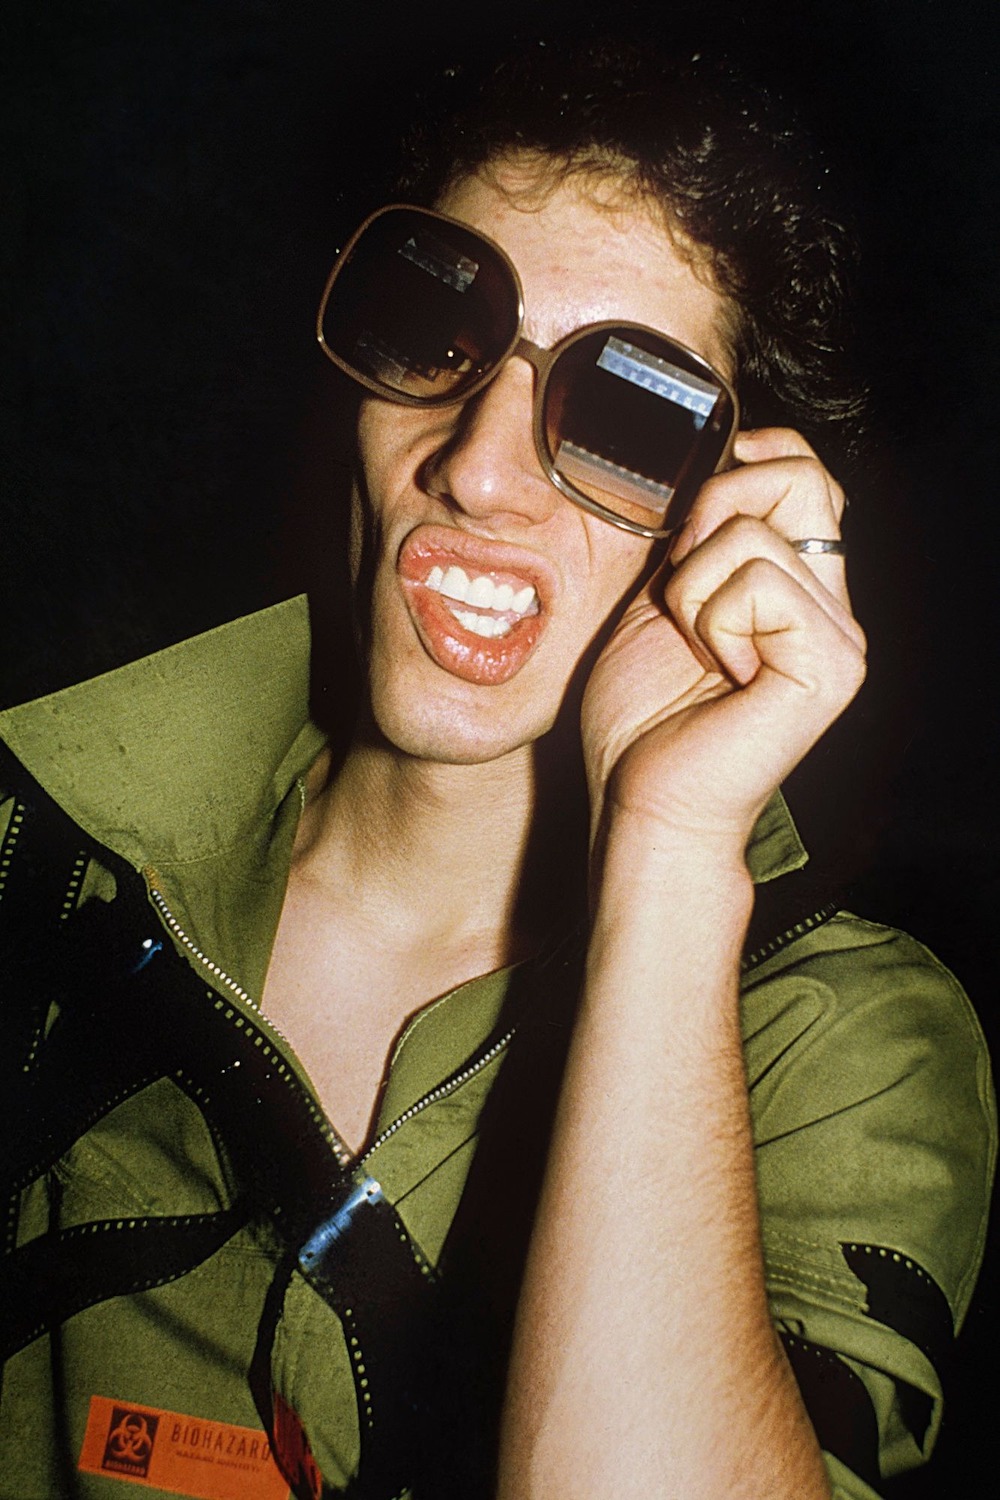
(130, 1440)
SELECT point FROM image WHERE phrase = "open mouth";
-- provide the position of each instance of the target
(478, 615)
(491, 609)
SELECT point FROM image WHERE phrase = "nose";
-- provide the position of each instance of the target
(485, 463)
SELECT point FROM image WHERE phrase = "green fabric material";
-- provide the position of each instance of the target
(869, 1084)
(874, 1124)
(185, 763)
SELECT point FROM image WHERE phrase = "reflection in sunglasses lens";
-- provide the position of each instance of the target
(426, 310)
(623, 422)
(421, 308)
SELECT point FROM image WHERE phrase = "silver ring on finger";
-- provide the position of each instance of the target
(813, 546)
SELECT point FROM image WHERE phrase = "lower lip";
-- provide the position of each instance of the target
(487, 661)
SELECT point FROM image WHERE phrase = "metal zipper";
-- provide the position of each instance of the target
(340, 1148)
(343, 1151)
(214, 969)
(440, 1092)
(175, 927)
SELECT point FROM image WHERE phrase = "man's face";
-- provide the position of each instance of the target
(462, 488)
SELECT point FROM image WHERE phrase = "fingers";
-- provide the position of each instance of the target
(779, 652)
(733, 566)
(780, 482)
(766, 629)
(795, 669)
(783, 443)
(737, 541)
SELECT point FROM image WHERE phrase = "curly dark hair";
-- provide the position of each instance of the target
(734, 172)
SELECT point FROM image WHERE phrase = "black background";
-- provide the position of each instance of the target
(176, 173)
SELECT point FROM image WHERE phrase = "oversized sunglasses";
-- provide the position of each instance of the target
(627, 422)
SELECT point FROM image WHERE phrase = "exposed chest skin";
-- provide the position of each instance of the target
(402, 887)
(341, 989)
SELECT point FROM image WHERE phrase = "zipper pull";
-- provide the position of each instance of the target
(323, 1239)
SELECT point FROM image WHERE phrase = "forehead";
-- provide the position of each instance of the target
(587, 250)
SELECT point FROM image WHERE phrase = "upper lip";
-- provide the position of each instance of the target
(427, 543)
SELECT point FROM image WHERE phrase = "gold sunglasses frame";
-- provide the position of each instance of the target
(542, 361)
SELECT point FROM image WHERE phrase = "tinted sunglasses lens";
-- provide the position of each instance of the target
(420, 306)
(635, 423)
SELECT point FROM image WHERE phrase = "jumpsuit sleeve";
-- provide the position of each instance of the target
(875, 1132)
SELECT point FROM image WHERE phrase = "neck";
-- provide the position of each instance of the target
(471, 857)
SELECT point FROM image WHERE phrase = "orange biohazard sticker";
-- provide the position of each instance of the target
(167, 1450)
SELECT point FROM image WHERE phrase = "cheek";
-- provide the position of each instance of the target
(355, 536)
(393, 442)
(619, 565)
(366, 523)
(376, 479)
(623, 563)
(370, 429)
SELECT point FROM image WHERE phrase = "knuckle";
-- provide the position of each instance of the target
(811, 473)
(845, 671)
(792, 441)
(760, 573)
(859, 665)
(742, 528)
(711, 497)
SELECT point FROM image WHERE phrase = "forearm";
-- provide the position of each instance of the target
(645, 1361)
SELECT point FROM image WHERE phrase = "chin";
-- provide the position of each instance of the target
(425, 713)
(451, 728)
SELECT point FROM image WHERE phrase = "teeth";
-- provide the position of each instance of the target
(485, 625)
(481, 592)
(454, 583)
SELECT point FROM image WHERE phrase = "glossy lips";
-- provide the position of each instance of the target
(478, 615)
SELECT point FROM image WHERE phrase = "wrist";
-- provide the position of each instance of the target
(696, 816)
(668, 928)
(689, 878)
(668, 846)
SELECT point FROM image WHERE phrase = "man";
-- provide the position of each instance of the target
(351, 1072)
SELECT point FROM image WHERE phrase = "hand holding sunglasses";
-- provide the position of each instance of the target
(628, 423)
